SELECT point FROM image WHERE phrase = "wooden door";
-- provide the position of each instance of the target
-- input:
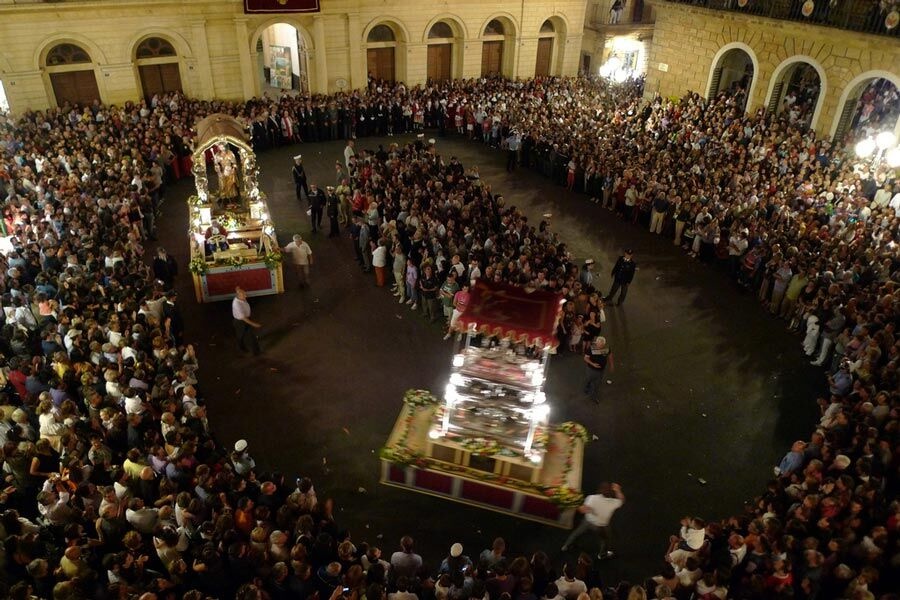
(380, 63)
(491, 57)
(544, 56)
(75, 87)
(439, 61)
(160, 79)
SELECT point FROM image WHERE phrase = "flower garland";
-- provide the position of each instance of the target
(480, 446)
(419, 398)
(574, 430)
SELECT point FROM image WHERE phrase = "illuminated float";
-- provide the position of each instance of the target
(488, 442)
(231, 233)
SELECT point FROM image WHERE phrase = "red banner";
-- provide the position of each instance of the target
(280, 6)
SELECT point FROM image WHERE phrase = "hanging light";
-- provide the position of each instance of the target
(865, 148)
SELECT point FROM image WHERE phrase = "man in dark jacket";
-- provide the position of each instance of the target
(622, 274)
(316, 206)
(164, 268)
(299, 175)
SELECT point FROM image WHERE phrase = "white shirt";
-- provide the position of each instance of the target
(299, 253)
(379, 257)
(240, 309)
(601, 509)
(144, 520)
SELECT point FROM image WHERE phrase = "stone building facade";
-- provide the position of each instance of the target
(691, 44)
(209, 48)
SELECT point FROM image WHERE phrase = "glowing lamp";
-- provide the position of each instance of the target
(865, 148)
(892, 157)
(434, 434)
(885, 140)
(458, 360)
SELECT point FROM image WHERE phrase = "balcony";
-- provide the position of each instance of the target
(865, 16)
(636, 16)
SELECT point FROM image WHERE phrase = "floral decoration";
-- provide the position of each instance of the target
(480, 445)
(273, 259)
(419, 398)
(235, 261)
(198, 265)
(574, 430)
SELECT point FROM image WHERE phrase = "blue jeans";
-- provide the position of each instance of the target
(411, 292)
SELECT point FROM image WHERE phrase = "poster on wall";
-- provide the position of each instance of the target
(281, 67)
(280, 6)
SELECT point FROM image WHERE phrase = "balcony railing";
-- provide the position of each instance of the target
(867, 16)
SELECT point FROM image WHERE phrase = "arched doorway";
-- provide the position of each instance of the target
(796, 92)
(72, 75)
(282, 59)
(732, 74)
(492, 48)
(381, 53)
(442, 42)
(157, 64)
(871, 105)
(550, 39)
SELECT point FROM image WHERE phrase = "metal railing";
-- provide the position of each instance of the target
(867, 16)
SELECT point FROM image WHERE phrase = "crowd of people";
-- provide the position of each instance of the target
(116, 487)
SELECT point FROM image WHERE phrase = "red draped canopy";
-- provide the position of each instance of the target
(512, 312)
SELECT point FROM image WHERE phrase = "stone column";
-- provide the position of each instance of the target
(320, 86)
(248, 74)
(356, 54)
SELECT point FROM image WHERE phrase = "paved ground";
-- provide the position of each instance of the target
(706, 385)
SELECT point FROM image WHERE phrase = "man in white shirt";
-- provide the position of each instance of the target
(598, 510)
(300, 255)
(240, 311)
(349, 153)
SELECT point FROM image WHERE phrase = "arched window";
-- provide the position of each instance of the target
(494, 27)
(381, 33)
(440, 30)
(154, 48)
(548, 27)
(67, 54)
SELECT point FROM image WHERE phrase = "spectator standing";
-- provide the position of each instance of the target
(164, 268)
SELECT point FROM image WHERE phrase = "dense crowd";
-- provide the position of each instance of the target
(116, 487)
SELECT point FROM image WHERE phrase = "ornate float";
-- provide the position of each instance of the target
(231, 233)
(488, 442)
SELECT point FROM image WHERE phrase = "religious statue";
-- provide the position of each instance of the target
(226, 170)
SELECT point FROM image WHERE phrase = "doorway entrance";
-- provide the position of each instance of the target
(282, 60)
